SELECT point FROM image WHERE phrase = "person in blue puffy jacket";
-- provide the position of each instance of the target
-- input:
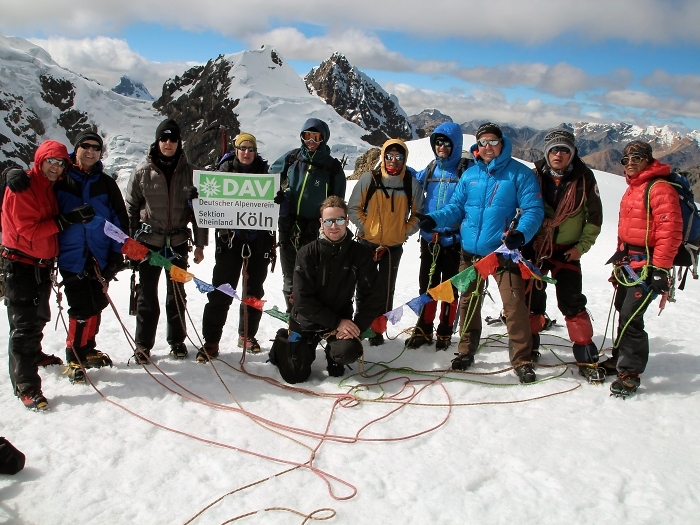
(440, 250)
(485, 204)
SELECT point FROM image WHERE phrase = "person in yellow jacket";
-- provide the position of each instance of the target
(383, 206)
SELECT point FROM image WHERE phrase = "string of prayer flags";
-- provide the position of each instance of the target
(228, 290)
(487, 266)
(115, 233)
(443, 292)
(156, 259)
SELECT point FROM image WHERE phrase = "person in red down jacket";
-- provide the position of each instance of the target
(648, 239)
(30, 226)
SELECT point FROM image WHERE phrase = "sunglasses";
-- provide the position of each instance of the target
(488, 142)
(174, 140)
(340, 221)
(311, 136)
(246, 149)
(398, 157)
(57, 162)
(443, 143)
(87, 145)
(560, 149)
(632, 159)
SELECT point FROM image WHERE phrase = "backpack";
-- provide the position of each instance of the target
(292, 358)
(687, 254)
(377, 182)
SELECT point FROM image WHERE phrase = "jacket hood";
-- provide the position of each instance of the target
(385, 147)
(503, 158)
(49, 149)
(654, 170)
(318, 124)
(453, 132)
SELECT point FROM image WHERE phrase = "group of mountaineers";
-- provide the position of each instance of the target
(337, 285)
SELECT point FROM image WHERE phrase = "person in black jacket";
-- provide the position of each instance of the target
(327, 273)
(233, 248)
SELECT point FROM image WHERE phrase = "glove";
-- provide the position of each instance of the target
(17, 179)
(191, 192)
(513, 239)
(659, 281)
(279, 198)
(115, 265)
(425, 222)
(79, 215)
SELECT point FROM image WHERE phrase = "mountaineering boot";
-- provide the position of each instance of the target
(96, 359)
(33, 399)
(142, 355)
(462, 361)
(207, 352)
(376, 340)
(422, 335)
(443, 336)
(251, 344)
(178, 350)
(75, 373)
(334, 369)
(48, 360)
(593, 373)
(525, 373)
(625, 385)
(610, 366)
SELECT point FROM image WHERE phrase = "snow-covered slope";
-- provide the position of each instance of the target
(471, 447)
(41, 100)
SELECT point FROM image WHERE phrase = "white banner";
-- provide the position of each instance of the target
(232, 201)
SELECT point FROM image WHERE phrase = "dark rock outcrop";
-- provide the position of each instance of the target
(359, 99)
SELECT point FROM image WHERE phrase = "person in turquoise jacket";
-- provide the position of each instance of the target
(497, 201)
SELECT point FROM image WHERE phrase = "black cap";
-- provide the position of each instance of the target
(87, 134)
(489, 127)
(168, 128)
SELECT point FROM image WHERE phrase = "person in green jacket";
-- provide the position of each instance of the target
(573, 218)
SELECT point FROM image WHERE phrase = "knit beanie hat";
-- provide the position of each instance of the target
(639, 147)
(168, 128)
(87, 134)
(489, 127)
(245, 137)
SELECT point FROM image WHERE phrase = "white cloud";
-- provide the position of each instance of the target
(107, 59)
(531, 22)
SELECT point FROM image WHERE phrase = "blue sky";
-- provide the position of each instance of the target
(535, 62)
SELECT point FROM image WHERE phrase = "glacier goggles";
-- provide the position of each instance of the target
(398, 157)
(87, 145)
(311, 136)
(340, 221)
(488, 142)
(631, 159)
(560, 149)
(443, 143)
(246, 149)
(61, 163)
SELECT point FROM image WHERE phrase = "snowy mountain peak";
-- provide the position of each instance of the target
(130, 88)
(359, 99)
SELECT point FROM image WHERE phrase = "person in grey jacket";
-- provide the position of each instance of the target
(159, 215)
